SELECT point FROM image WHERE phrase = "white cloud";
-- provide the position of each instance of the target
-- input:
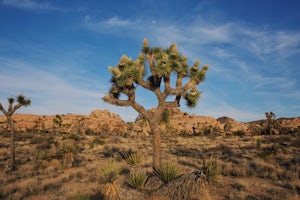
(31, 5)
(116, 21)
(276, 45)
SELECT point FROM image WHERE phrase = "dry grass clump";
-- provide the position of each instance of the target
(167, 172)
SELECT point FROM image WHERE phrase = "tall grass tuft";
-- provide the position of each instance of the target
(211, 171)
(167, 172)
(137, 178)
(133, 158)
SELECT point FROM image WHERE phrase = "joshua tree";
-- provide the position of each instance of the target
(21, 101)
(163, 64)
(270, 123)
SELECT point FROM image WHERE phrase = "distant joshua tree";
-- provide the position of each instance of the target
(21, 101)
(270, 124)
(163, 64)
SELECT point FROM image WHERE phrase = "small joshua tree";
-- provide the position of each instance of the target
(21, 101)
(162, 65)
(270, 123)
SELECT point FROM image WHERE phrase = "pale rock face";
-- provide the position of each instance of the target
(106, 122)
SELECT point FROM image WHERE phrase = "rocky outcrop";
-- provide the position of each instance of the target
(105, 122)
(98, 121)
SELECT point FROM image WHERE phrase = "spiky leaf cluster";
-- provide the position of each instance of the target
(167, 60)
(137, 178)
(163, 66)
(22, 100)
(211, 170)
(125, 74)
(167, 172)
(196, 74)
(11, 100)
(192, 97)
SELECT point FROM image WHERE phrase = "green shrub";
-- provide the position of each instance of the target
(165, 116)
(211, 171)
(167, 172)
(133, 158)
(137, 178)
(258, 144)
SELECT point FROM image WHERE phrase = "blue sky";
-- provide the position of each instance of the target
(57, 52)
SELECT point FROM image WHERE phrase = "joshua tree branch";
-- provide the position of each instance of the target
(3, 110)
(130, 102)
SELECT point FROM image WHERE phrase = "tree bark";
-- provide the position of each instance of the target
(155, 131)
(12, 143)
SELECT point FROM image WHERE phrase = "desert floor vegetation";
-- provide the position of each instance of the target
(66, 166)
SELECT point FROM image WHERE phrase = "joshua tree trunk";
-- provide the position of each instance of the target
(155, 131)
(12, 142)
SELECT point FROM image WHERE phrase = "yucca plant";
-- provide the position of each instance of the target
(133, 158)
(167, 172)
(109, 188)
(137, 178)
(109, 173)
(211, 171)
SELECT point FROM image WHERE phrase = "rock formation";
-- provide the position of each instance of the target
(104, 122)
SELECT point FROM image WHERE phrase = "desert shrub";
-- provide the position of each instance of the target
(79, 197)
(167, 172)
(75, 137)
(239, 133)
(273, 150)
(91, 143)
(137, 178)
(211, 171)
(109, 173)
(133, 158)
(258, 144)
(296, 142)
(165, 116)
(64, 148)
(89, 131)
(98, 141)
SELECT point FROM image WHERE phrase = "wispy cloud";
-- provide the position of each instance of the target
(31, 5)
(251, 52)
(111, 25)
(264, 44)
(273, 44)
(51, 92)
